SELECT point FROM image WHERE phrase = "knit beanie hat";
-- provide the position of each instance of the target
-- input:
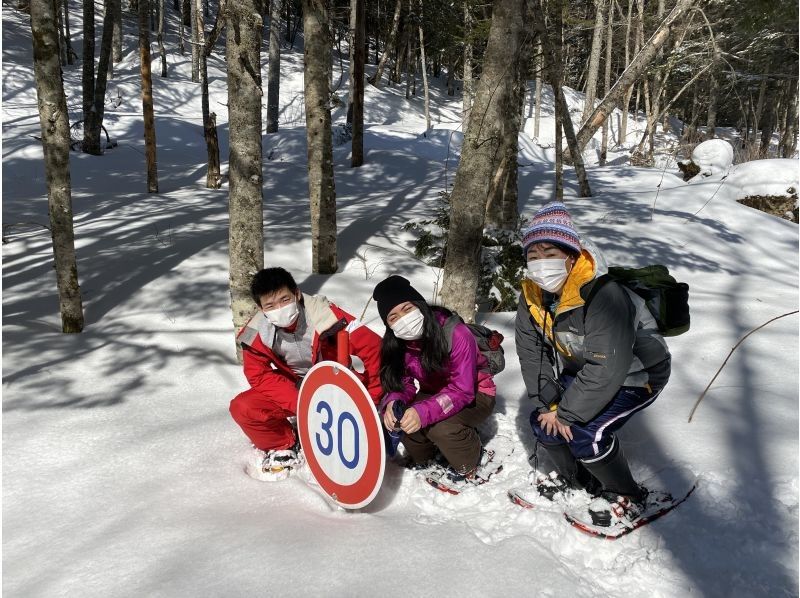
(552, 224)
(393, 291)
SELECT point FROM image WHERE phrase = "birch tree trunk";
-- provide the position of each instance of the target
(468, 90)
(160, 37)
(246, 232)
(147, 97)
(357, 81)
(634, 71)
(594, 58)
(54, 123)
(424, 69)
(494, 100)
(274, 67)
(390, 44)
(321, 190)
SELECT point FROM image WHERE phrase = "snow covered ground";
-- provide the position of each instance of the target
(123, 472)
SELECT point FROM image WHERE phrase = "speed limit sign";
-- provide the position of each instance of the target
(341, 435)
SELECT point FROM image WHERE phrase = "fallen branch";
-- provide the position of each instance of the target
(741, 340)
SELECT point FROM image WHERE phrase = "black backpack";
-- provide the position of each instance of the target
(489, 342)
(665, 298)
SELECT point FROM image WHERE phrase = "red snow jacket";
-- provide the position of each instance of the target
(269, 374)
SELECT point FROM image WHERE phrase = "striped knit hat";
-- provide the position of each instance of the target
(552, 224)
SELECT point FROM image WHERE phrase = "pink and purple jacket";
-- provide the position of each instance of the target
(443, 394)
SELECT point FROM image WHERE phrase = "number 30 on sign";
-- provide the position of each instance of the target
(341, 435)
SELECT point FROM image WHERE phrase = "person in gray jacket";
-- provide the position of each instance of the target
(591, 357)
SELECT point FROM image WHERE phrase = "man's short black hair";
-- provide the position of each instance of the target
(270, 280)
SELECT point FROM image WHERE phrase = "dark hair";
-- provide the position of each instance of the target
(270, 280)
(435, 354)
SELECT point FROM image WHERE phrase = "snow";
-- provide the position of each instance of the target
(123, 473)
(713, 156)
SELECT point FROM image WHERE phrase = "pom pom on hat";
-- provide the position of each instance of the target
(393, 291)
(552, 224)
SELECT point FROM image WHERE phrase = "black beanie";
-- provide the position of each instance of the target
(393, 291)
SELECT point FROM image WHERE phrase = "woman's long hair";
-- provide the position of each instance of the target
(434, 355)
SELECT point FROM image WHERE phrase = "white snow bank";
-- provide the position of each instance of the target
(778, 176)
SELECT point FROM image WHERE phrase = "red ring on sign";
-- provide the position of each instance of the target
(357, 493)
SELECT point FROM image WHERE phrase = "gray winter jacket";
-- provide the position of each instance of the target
(612, 341)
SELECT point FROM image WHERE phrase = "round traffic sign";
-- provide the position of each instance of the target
(341, 435)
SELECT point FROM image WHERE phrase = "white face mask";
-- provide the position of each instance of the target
(283, 316)
(549, 274)
(409, 327)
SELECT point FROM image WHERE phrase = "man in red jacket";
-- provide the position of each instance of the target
(291, 333)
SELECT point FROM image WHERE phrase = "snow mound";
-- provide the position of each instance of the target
(778, 176)
(714, 157)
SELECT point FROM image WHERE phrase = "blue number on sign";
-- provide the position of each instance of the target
(326, 426)
(347, 416)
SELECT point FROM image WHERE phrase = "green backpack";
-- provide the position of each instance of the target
(665, 298)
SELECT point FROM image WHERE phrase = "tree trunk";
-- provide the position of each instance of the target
(789, 133)
(274, 67)
(147, 97)
(768, 125)
(468, 90)
(626, 102)
(54, 121)
(713, 98)
(390, 44)
(213, 174)
(321, 189)
(633, 73)
(160, 36)
(424, 71)
(246, 232)
(555, 74)
(67, 36)
(451, 74)
(537, 112)
(494, 100)
(61, 37)
(116, 44)
(98, 106)
(410, 62)
(359, 57)
(219, 25)
(502, 205)
(607, 79)
(563, 120)
(195, 7)
(91, 144)
(594, 58)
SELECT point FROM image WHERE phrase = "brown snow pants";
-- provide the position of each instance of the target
(456, 436)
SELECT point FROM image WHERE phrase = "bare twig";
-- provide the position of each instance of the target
(741, 340)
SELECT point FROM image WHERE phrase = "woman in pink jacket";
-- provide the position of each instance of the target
(456, 391)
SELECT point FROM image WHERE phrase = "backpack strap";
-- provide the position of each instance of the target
(449, 327)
